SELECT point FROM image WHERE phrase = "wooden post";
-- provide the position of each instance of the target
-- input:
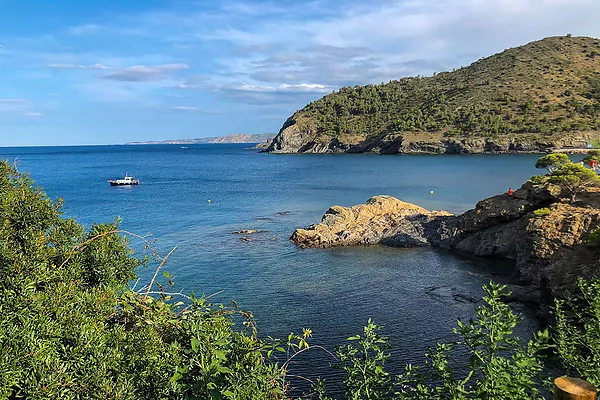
(566, 388)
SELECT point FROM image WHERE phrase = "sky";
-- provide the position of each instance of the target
(114, 71)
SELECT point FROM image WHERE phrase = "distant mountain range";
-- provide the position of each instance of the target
(233, 138)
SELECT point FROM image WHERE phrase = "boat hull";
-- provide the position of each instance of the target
(123, 184)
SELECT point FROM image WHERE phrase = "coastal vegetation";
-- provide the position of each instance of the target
(592, 155)
(553, 161)
(73, 325)
(542, 89)
(573, 178)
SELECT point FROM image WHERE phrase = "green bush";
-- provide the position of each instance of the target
(577, 331)
(592, 155)
(553, 161)
(574, 178)
(540, 212)
(593, 239)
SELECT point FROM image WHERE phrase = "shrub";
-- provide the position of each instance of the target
(574, 178)
(592, 155)
(540, 212)
(577, 331)
(553, 161)
(593, 239)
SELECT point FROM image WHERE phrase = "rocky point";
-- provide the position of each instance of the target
(537, 228)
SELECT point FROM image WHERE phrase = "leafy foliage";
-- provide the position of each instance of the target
(593, 239)
(592, 155)
(578, 330)
(552, 162)
(544, 87)
(540, 212)
(574, 178)
(364, 365)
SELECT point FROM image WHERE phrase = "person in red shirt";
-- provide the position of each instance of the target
(510, 191)
(593, 164)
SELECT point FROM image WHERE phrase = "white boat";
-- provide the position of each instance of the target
(127, 181)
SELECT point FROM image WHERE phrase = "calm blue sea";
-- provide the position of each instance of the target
(334, 292)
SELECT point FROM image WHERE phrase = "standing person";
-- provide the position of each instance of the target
(593, 164)
(582, 163)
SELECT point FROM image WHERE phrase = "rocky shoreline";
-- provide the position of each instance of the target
(536, 228)
(294, 137)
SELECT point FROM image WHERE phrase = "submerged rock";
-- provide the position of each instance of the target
(245, 232)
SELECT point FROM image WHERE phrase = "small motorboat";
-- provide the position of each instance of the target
(127, 181)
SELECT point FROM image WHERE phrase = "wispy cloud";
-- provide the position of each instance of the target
(195, 109)
(16, 106)
(94, 29)
(142, 73)
(286, 88)
(17, 102)
(84, 29)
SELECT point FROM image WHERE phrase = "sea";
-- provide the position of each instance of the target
(194, 197)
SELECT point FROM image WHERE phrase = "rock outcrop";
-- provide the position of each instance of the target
(549, 247)
(383, 219)
(297, 137)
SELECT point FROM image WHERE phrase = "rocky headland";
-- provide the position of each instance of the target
(544, 236)
(539, 97)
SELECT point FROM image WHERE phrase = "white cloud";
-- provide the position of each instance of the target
(76, 66)
(33, 114)
(15, 105)
(358, 42)
(195, 109)
(17, 102)
(84, 29)
(184, 108)
(288, 88)
(141, 73)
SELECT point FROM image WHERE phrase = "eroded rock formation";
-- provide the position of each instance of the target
(549, 248)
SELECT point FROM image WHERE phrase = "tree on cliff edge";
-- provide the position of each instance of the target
(574, 178)
(553, 161)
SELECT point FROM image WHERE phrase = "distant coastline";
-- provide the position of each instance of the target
(233, 138)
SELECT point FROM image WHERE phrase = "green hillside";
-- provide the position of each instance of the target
(546, 87)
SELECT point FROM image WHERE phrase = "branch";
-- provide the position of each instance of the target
(83, 245)
(156, 272)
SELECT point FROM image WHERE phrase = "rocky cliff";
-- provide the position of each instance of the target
(540, 96)
(542, 233)
(294, 140)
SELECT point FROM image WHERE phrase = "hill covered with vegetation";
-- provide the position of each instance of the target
(543, 95)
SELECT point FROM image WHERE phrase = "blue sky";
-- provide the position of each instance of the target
(113, 71)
